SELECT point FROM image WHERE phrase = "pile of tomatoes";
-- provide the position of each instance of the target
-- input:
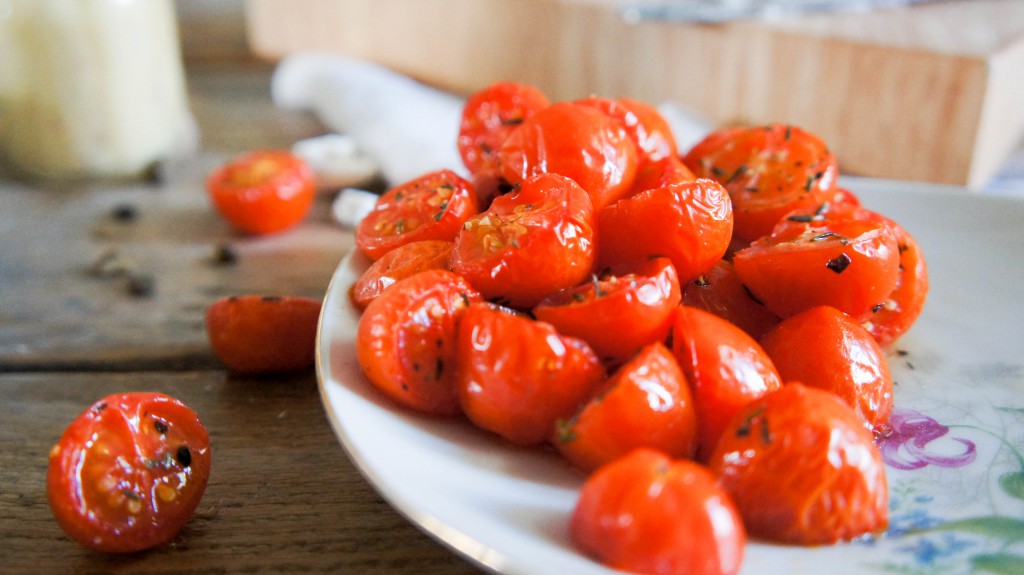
(702, 332)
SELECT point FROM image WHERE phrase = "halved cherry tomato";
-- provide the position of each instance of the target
(721, 292)
(578, 142)
(128, 473)
(825, 348)
(647, 513)
(802, 469)
(643, 123)
(431, 207)
(726, 369)
(263, 191)
(768, 170)
(518, 377)
(646, 403)
(406, 340)
(529, 243)
(399, 263)
(263, 334)
(689, 223)
(665, 172)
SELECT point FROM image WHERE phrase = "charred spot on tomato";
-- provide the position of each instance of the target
(271, 298)
(183, 456)
(160, 426)
(877, 307)
(99, 407)
(839, 263)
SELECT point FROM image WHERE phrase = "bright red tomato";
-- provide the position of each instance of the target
(264, 191)
(721, 292)
(399, 263)
(644, 125)
(803, 469)
(128, 473)
(264, 334)
(665, 172)
(647, 513)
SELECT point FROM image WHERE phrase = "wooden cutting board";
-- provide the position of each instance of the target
(933, 92)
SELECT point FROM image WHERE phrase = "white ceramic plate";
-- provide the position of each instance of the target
(956, 470)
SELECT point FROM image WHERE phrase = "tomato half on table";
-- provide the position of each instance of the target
(129, 472)
(263, 191)
(264, 334)
(399, 263)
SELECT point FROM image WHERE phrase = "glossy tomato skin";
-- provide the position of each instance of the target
(129, 472)
(399, 263)
(619, 311)
(430, 207)
(644, 125)
(263, 334)
(664, 172)
(646, 403)
(529, 243)
(802, 469)
(406, 340)
(647, 513)
(726, 368)
(518, 376)
(263, 191)
(720, 291)
(689, 223)
(827, 349)
(578, 142)
(899, 312)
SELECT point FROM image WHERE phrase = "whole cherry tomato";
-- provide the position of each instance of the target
(647, 513)
(518, 376)
(431, 207)
(726, 369)
(825, 348)
(802, 469)
(646, 403)
(399, 263)
(406, 340)
(263, 334)
(619, 311)
(721, 292)
(128, 473)
(529, 243)
(263, 191)
(644, 125)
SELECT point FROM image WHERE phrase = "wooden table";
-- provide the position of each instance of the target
(283, 496)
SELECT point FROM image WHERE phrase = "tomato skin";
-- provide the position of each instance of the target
(665, 172)
(690, 223)
(721, 292)
(529, 243)
(802, 469)
(128, 473)
(827, 349)
(263, 334)
(618, 312)
(647, 513)
(644, 125)
(646, 403)
(901, 309)
(399, 263)
(518, 376)
(726, 369)
(263, 191)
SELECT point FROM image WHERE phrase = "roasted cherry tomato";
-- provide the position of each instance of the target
(263, 334)
(647, 513)
(665, 172)
(644, 125)
(689, 223)
(726, 369)
(128, 473)
(578, 142)
(619, 311)
(431, 207)
(825, 348)
(803, 469)
(264, 191)
(406, 340)
(518, 376)
(721, 292)
(529, 243)
(646, 403)
(768, 170)
(399, 263)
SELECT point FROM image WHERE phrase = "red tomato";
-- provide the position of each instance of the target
(618, 312)
(263, 334)
(399, 263)
(128, 473)
(689, 223)
(825, 348)
(529, 243)
(803, 469)
(647, 403)
(518, 376)
(406, 344)
(721, 292)
(768, 171)
(659, 174)
(578, 142)
(648, 513)
(431, 207)
(264, 191)
(726, 369)
(644, 125)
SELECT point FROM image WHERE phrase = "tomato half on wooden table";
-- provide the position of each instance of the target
(263, 191)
